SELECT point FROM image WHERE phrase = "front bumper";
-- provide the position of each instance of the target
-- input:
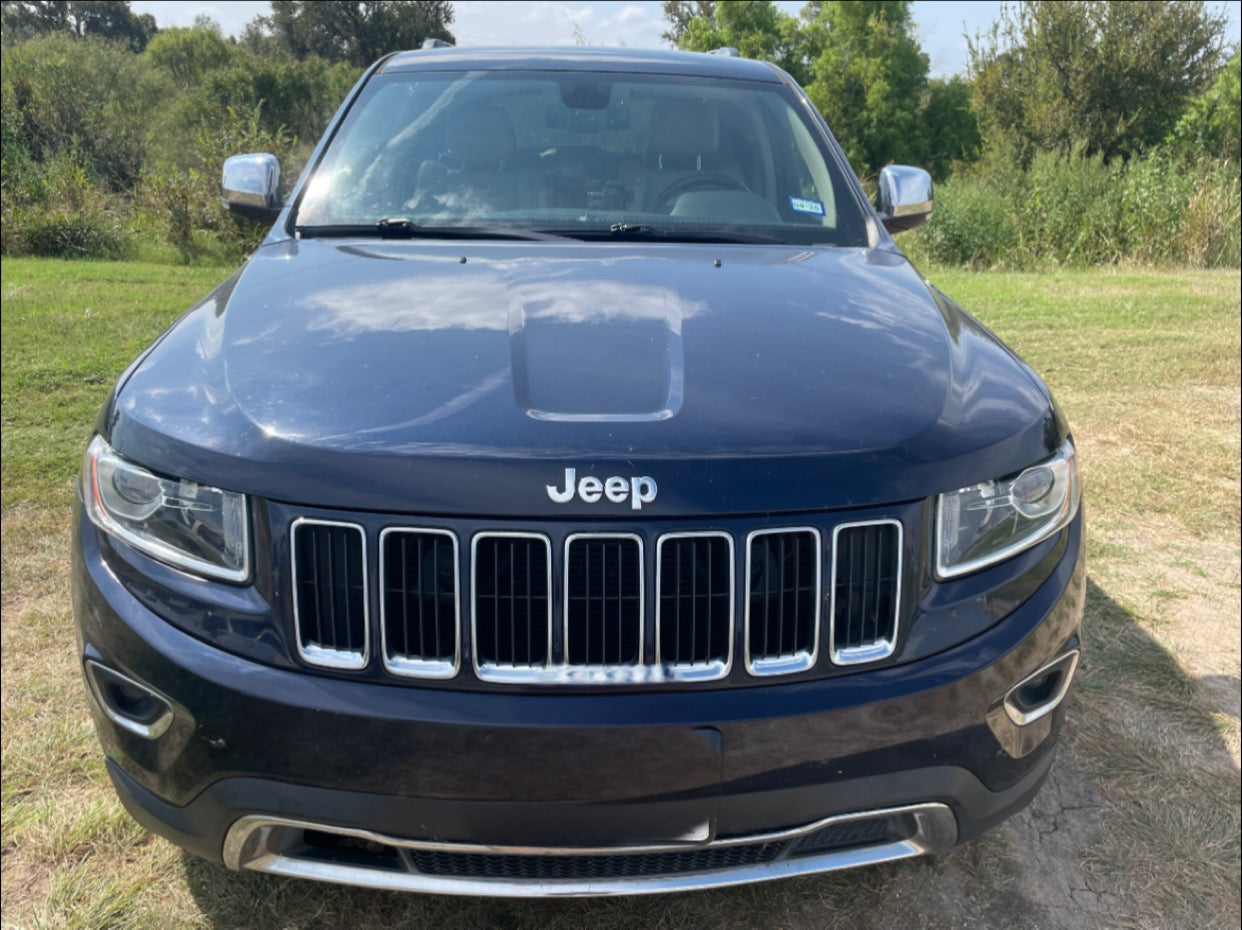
(354, 781)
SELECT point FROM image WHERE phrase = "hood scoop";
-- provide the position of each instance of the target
(589, 352)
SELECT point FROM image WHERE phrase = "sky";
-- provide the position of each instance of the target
(942, 24)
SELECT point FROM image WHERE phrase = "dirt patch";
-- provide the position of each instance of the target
(1058, 830)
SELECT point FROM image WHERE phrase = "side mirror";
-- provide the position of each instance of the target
(251, 185)
(903, 197)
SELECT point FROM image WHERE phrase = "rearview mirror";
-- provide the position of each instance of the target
(903, 197)
(251, 185)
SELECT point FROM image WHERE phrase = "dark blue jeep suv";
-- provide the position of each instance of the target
(576, 493)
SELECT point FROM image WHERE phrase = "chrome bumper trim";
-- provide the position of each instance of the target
(259, 843)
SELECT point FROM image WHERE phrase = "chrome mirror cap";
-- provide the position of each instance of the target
(903, 197)
(251, 186)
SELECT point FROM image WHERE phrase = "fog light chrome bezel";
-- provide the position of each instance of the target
(152, 729)
(1021, 717)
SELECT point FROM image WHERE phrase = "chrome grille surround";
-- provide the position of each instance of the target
(881, 647)
(312, 653)
(803, 659)
(500, 672)
(711, 670)
(409, 665)
(567, 606)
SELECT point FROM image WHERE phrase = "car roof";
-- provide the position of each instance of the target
(570, 58)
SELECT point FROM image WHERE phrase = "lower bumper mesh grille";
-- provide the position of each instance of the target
(564, 868)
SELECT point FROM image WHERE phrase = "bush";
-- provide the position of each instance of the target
(185, 200)
(1079, 210)
(973, 225)
(64, 214)
(84, 96)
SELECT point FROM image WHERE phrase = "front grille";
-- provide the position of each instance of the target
(601, 633)
(866, 591)
(782, 600)
(330, 593)
(566, 868)
(694, 604)
(418, 602)
(511, 584)
(603, 600)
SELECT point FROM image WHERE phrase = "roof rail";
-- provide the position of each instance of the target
(436, 43)
(727, 50)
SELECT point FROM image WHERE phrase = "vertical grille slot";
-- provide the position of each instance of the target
(782, 600)
(694, 605)
(866, 591)
(419, 618)
(511, 584)
(603, 600)
(330, 593)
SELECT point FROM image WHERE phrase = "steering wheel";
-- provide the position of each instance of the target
(702, 180)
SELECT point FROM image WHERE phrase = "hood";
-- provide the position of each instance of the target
(451, 377)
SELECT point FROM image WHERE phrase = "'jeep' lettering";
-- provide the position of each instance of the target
(638, 490)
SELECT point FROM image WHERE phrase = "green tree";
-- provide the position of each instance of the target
(101, 19)
(357, 32)
(868, 78)
(948, 127)
(187, 56)
(756, 28)
(1108, 76)
(1211, 124)
(861, 66)
(678, 14)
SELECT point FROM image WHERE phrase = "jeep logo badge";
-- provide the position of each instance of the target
(638, 490)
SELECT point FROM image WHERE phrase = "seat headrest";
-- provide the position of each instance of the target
(480, 133)
(684, 127)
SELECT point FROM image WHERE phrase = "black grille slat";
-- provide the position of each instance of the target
(696, 590)
(419, 597)
(511, 601)
(330, 584)
(603, 601)
(570, 867)
(783, 595)
(866, 591)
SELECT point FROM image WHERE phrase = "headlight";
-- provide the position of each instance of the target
(195, 527)
(988, 522)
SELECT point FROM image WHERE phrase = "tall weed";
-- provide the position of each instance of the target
(1078, 210)
(64, 212)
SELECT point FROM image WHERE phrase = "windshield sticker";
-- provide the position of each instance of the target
(803, 205)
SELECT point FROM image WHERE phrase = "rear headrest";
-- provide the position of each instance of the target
(481, 133)
(684, 127)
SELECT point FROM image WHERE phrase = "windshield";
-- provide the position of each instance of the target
(581, 154)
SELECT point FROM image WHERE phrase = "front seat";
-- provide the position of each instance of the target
(480, 175)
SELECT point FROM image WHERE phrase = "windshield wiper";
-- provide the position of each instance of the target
(401, 227)
(643, 232)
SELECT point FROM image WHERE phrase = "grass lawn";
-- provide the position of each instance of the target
(1139, 825)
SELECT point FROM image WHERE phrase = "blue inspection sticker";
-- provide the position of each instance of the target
(803, 205)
